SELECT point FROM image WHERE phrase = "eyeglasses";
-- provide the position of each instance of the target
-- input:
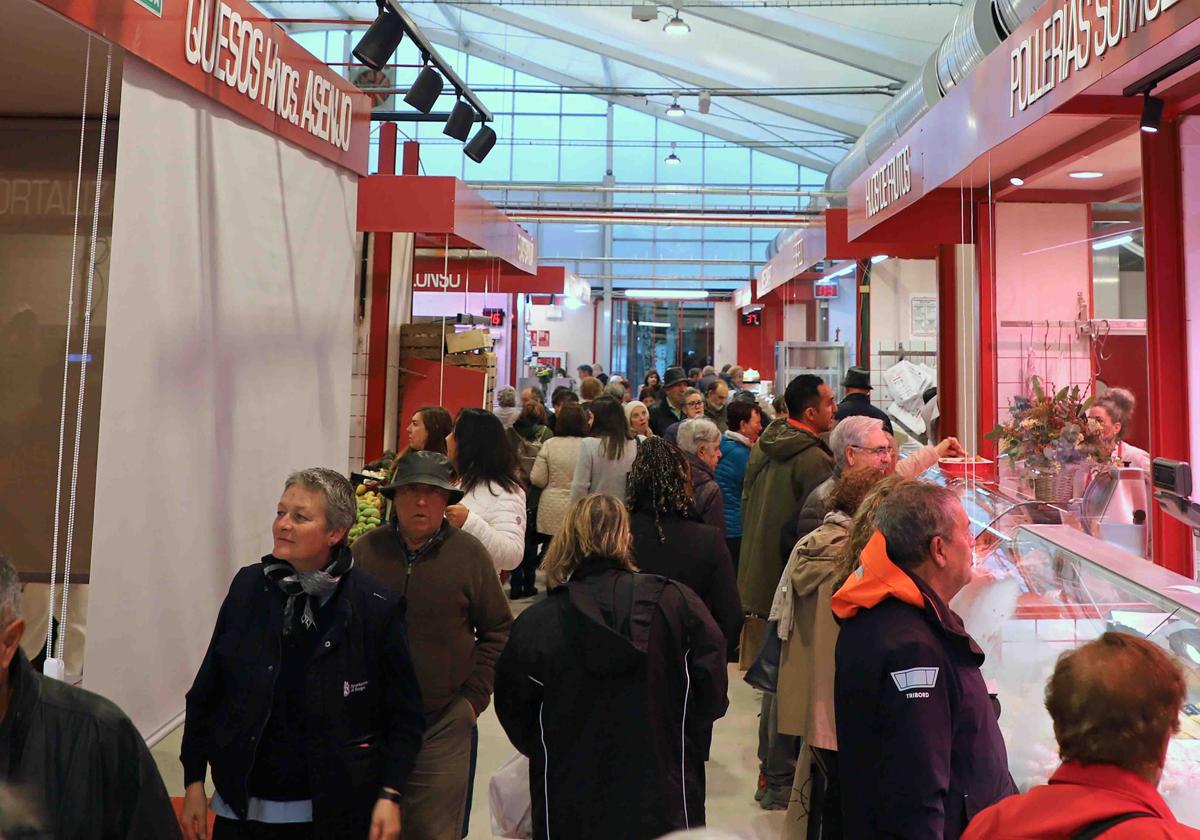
(878, 451)
(694, 403)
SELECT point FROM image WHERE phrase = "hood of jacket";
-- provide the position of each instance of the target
(701, 474)
(875, 580)
(781, 441)
(817, 555)
(528, 429)
(608, 618)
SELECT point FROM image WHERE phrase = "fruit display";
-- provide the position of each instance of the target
(370, 511)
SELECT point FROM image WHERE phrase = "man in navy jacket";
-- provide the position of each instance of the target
(917, 730)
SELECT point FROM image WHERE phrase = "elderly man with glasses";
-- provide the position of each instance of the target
(693, 408)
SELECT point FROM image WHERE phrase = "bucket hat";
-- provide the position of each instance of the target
(856, 377)
(674, 376)
(422, 467)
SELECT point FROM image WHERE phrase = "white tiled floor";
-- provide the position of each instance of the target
(732, 771)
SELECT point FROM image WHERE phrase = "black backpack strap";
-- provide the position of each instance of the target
(1095, 829)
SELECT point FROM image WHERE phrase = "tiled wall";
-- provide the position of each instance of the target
(884, 354)
(358, 394)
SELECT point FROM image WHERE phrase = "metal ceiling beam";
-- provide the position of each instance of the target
(814, 36)
(664, 69)
(488, 53)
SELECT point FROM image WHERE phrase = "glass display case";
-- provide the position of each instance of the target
(1047, 589)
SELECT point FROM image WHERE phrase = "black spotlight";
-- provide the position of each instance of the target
(1152, 111)
(480, 144)
(458, 125)
(425, 90)
(381, 39)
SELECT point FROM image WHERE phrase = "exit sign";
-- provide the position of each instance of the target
(825, 290)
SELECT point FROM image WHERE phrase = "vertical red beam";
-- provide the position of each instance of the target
(985, 249)
(412, 156)
(514, 338)
(1166, 327)
(381, 288)
(947, 349)
(810, 320)
(862, 314)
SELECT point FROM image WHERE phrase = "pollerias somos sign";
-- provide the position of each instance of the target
(1075, 33)
(245, 56)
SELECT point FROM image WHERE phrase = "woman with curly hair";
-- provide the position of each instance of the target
(670, 540)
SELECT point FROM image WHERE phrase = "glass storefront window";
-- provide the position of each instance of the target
(655, 335)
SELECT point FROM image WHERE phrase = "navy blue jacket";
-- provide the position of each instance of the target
(366, 717)
(918, 740)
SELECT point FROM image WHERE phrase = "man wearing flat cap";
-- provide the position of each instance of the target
(670, 409)
(458, 622)
(857, 402)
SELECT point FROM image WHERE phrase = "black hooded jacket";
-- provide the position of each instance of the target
(600, 685)
(82, 760)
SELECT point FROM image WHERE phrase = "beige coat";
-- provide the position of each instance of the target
(806, 660)
(553, 471)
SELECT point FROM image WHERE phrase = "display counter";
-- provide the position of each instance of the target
(1046, 587)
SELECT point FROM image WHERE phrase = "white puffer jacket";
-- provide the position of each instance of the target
(497, 520)
(554, 470)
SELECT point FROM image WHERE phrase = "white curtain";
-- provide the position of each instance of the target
(229, 325)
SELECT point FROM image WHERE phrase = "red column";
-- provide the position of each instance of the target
(412, 156)
(947, 349)
(1166, 327)
(985, 249)
(381, 287)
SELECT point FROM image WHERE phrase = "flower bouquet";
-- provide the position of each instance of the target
(544, 374)
(1049, 437)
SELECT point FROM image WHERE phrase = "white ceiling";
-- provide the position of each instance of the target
(785, 45)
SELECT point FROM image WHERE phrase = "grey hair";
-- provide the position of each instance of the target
(697, 431)
(507, 397)
(335, 490)
(852, 431)
(10, 593)
(911, 516)
(615, 389)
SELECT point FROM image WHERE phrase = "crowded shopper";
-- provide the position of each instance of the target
(492, 508)
(693, 408)
(861, 440)
(610, 685)
(737, 379)
(639, 418)
(615, 390)
(651, 391)
(668, 409)
(458, 622)
(1114, 411)
(585, 371)
(606, 456)
(527, 436)
(700, 442)
(745, 425)
(917, 731)
(76, 761)
(808, 634)
(292, 631)
(787, 462)
(1115, 703)
(856, 385)
(554, 469)
(716, 398)
(535, 394)
(589, 389)
(708, 375)
(506, 406)
(428, 430)
(671, 539)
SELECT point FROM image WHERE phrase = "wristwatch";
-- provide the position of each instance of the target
(391, 796)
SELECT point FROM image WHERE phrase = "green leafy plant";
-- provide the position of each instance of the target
(1047, 433)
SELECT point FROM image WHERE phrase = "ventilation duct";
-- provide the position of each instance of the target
(980, 27)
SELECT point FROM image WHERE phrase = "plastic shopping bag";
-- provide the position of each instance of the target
(508, 795)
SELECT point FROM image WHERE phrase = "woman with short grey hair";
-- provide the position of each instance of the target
(306, 705)
(700, 441)
(506, 399)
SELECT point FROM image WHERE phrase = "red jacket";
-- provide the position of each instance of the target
(1076, 796)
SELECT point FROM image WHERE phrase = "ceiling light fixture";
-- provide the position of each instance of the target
(667, 294)
(426, 89)
(1152, 111)
(381, 39)
(672, 159)
(1016, 182)
(480, 144)
(1114, 242)
(676, 25)
(458, 124)
(846, 269)
(876, 260)
(675, 110)
(1087, 175)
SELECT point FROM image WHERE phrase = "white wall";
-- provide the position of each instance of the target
(573, 334)
(725, 326)
(230, 328)
(795, 322)
(843, 320)
(1189, 142)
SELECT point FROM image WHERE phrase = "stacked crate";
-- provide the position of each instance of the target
(437, 342)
